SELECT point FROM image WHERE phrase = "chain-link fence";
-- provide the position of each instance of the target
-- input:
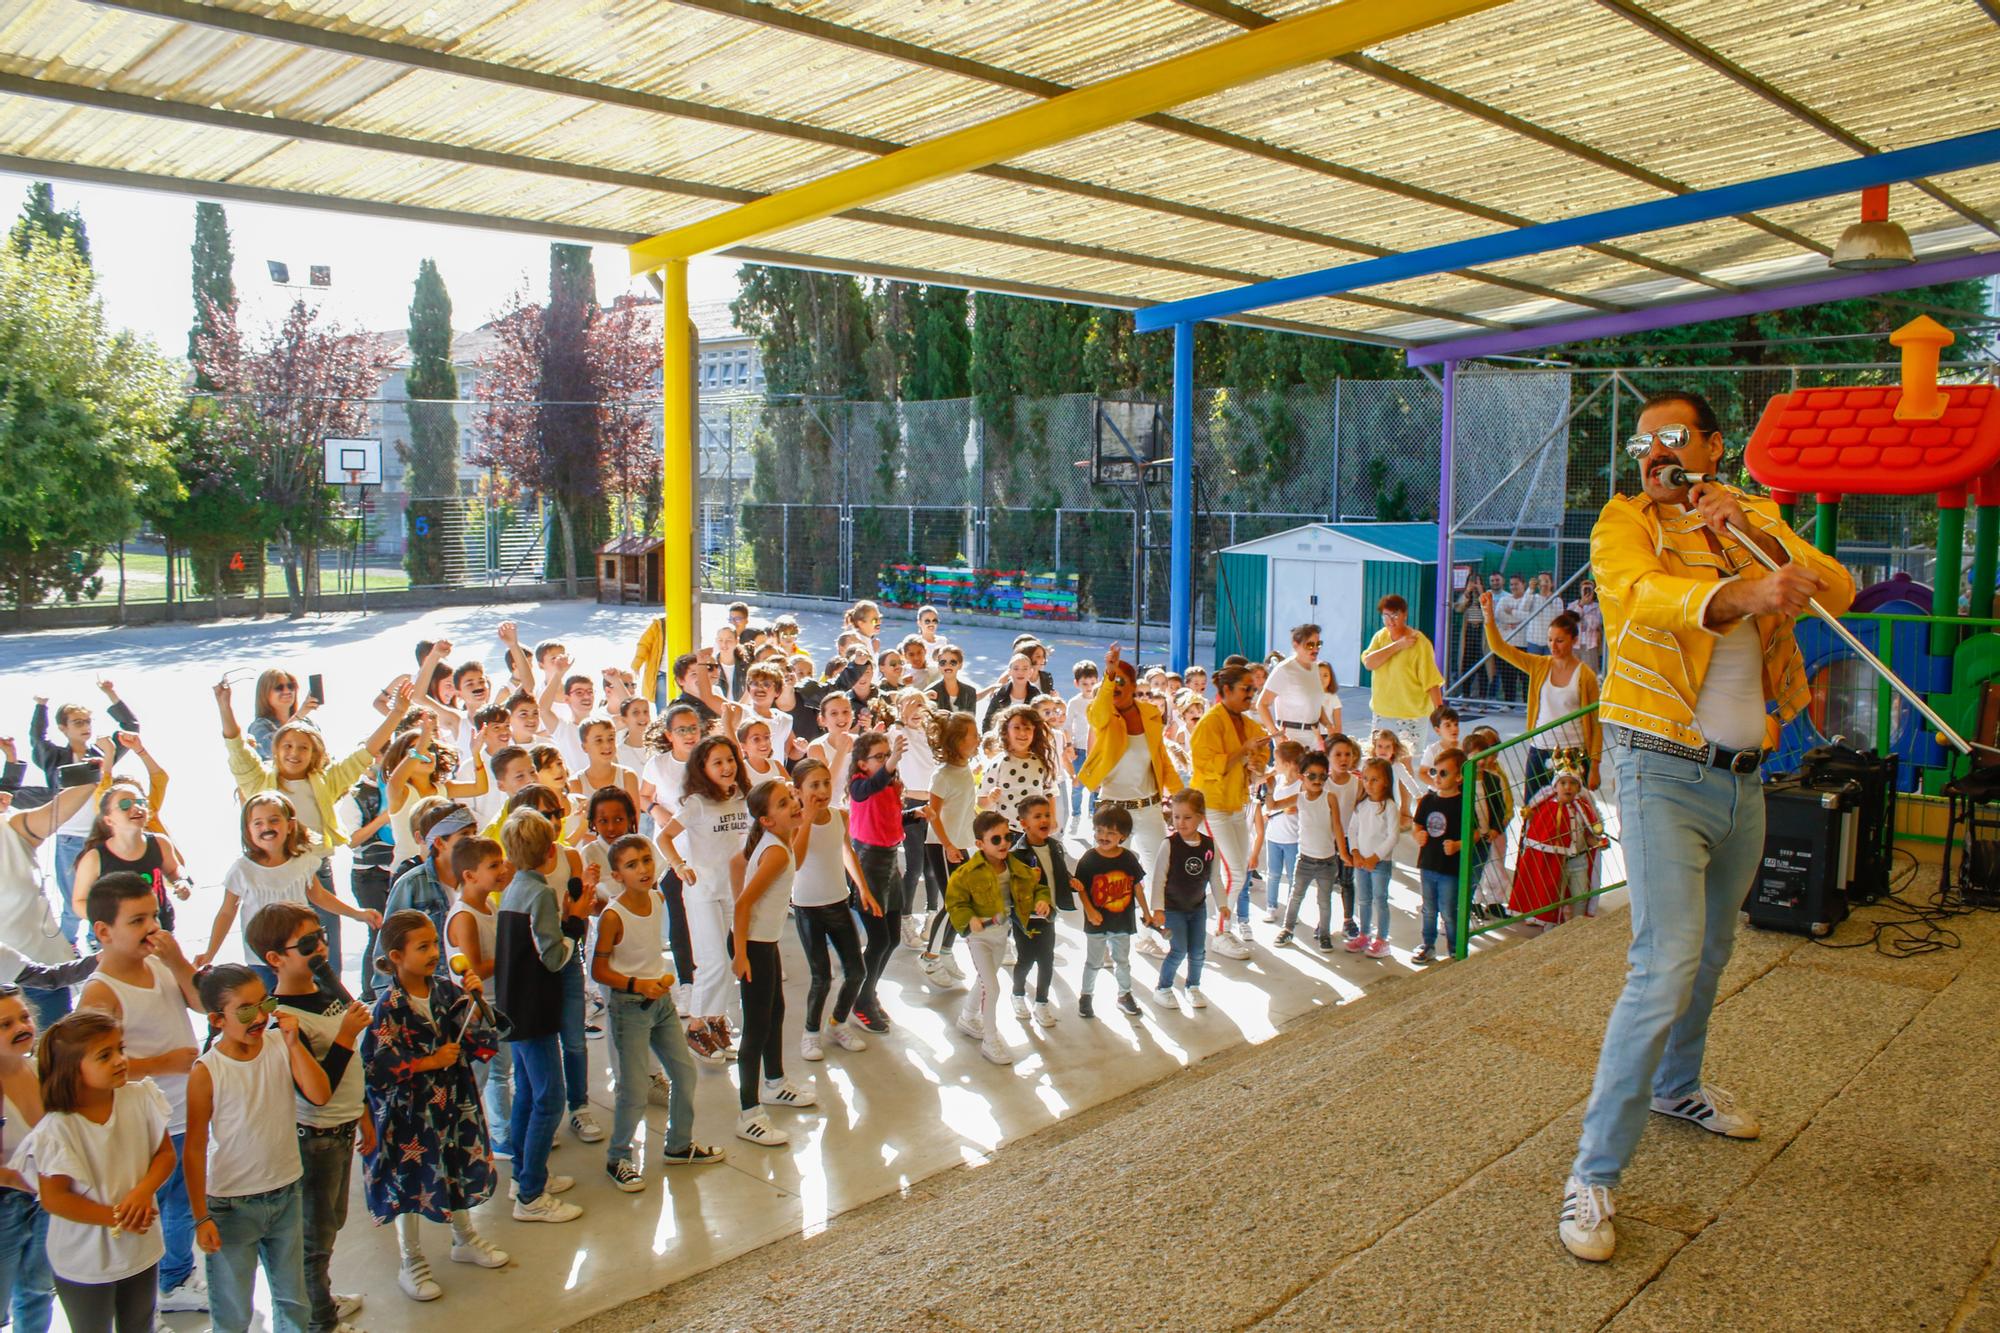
(1538, 453)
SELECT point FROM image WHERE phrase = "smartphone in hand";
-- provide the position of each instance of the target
(315, 688)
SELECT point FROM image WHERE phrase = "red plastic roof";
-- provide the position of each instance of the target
(1848, 442)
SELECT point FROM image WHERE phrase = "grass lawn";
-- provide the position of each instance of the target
(146, 579)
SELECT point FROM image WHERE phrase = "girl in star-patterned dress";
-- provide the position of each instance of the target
(431, 1154)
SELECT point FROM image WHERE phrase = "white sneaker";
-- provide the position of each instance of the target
(191, 1294)
(1229, 945)
(1714, 1110)
(809, 1046)
(1021, 1010)
(1045, 1014)
(1009, 958)
(548, 1208)
(753, 1126)
(1272, 916)
(951, 966)
(555, 1184)
(658, 1091)
(913, 931)
(995, 1052)
(476, 1249)
(847, 1036)
(346, 1307)
(1585, 1227)
(1165, 995)
(1196, 999)
(782, 1093)
(937, 968)
(972, 1025)
(584, 1125)
(414, 1277)
(1150, 944)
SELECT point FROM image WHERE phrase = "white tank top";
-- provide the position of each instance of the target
(156, 1021)
(639, 951)
(487, 924)
(1729, 709)
(399, 826)
(252, 1145)
(1558, 701)
(767, 914)
(821, 880)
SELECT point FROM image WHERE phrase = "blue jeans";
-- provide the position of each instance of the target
(27, 1288)
(538, 1104)
(1693, 839)
(328, 921)
(1187, 933)
(267, 1228)
(1440, 892)
(176, 1224)
(1281, 863)
(1321, 874)
(1371, 894)
(327, 1157)
(640, 1030)
(576, 1073)
(69, 846)
(495, 1078)
(1082, 800)
(1098, 945)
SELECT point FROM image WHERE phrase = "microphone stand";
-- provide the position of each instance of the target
(1678, 476)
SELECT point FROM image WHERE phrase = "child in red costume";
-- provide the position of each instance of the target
(1558, 845)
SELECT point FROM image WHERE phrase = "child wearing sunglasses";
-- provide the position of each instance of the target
(242, 1158)
(119, 840)
(288, 937)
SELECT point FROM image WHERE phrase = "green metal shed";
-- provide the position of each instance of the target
(1332, 575)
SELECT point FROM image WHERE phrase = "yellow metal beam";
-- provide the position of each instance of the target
(680, 585)
(1288, 44)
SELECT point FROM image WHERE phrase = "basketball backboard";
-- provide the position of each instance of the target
(353, 462)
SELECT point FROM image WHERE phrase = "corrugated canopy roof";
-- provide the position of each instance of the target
(619, 121)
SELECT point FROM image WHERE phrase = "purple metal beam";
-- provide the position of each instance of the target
(1839, 287)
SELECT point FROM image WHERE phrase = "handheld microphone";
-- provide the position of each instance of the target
(1673, 474)
(329, 979)
(460, 965)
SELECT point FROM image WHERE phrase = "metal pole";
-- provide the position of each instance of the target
(1447, 438)
(1333, 490)
(1180, 577)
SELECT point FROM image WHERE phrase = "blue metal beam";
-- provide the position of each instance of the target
(1180, 616)
(1791, 187)
(1834, 286)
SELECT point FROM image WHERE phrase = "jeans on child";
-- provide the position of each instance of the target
(1188, 933)
(27, 1287)
(1440, 899)
(538, 1103)
(576, 1072)
(640, 1030)
(1281, 863)
(327, 1157)
(495, 1078)
(68, 847)
(1321, 874)
(1371, 894)
(1098, 944)
(1082, 800)
(267, 1228)
(328, 921)
(176, 1224)
(1693, 839)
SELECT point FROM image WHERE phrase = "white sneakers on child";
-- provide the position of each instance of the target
(583, 1124)
(780, 1093)
(191, 1294)
(995, 1052)
(1230, 945)
(1196, 1000)
(1714, 1109)
(972, 1025)
(1585, 1224)
(414, 1277)
(476, 1249)
(754, 1126)
(938, 970)
(547, 1208)
(847, 1036)
(1021, 1010)
(809, 1046)
(1045, 1014)
(913, 931)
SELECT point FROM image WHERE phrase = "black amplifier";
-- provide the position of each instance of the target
(1827, 766)
(1810, 844)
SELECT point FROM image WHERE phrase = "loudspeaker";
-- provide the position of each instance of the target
(1830, 767)
(1810, 839)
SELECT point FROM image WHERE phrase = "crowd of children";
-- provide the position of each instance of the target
(559, 862)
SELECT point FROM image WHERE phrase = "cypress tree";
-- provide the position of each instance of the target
(214, 280)
(431, 458)
(39, 214)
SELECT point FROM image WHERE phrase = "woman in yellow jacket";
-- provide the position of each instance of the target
(1559, 682)
(300, 769)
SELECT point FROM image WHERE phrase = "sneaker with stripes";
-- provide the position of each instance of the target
(1714, 1109)
(1585, 1226)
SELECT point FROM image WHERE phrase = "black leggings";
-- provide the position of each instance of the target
(818, 927)
(884, 933)
(916, 867)
(763, 1038)
(673, 893)
(942, 935)
(125, 1306)
(1037, 950)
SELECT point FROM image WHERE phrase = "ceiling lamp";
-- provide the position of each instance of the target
(1874, 242)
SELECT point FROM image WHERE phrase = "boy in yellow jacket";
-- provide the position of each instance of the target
(978, 897)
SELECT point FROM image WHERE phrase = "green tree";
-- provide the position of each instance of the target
(568, 421)
(221, 518)
(430, 459)
(84, 414)
(214, 282)
(40, 217)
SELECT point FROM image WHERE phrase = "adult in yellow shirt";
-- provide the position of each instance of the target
(1227, 752)
(1407, 684)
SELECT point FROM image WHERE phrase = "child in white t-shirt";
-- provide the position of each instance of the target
(1281, 825)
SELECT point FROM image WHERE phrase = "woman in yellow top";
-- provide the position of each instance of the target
(1406, 682)
(1227, 751)
(1559, 683)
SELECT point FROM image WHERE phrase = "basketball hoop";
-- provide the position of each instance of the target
(354, 476)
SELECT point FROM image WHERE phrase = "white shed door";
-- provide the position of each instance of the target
(1326, 593)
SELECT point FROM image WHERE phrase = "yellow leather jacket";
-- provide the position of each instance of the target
(1655, 575)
